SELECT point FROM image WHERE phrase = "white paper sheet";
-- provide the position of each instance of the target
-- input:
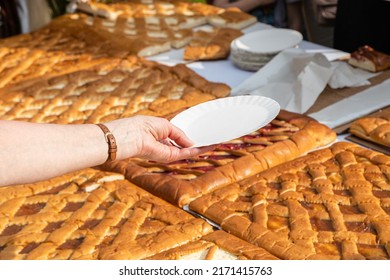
(344, 75)
(356, 106)
(293, 78)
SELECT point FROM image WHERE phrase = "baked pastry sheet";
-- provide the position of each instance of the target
(270, 199)
(287, 137)
(211, 44)
(333, 203)
(374, 129)
(21, 64)
(115, 89)
(90, 214)
(218, 245)
(157, 27)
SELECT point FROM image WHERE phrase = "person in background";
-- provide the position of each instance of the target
(362, 22)
(262, 9)
(32, 152)
(9, 19)
(294, 15)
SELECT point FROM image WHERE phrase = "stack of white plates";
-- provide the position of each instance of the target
(255, 49)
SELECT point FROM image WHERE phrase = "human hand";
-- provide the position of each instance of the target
(149, 138)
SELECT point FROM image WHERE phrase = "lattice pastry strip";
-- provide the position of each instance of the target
(157, 8)
(19, 64)
(180, 182)
(375, 129)
(90, 214)
(211, 44)
(231, 18)
(147, 36)
(90, 95)
(218, 245)
(331, 204)
(70, 36)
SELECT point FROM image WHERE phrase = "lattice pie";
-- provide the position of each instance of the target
(115, 89)
(90, 215)
(232, 18)
(374, 129)
(69, 35)
(285, 138)
(333, 203)
(20, 64)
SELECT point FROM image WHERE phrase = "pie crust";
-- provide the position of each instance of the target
(333, 203)
(21, 64)
(218, 245)
(288, 136)
(374, 129)
(90, 215)
(116, 89)
(369, 59)
(232, 18)
(157, 27)
(211, 45)
(67, 33)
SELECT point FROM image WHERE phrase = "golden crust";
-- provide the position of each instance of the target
(374, 129)
(90, 214)
(211, 45)
(369, 59)
(21, 64)
(102, 93)
(218, 245)
(330, 204)
(232, 18)
(70, 35)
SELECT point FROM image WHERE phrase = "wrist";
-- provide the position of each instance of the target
(125, 136)
(111, 142)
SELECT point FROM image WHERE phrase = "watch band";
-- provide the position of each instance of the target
(110, 139)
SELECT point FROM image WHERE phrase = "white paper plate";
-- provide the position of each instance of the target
(226, 118)
(268, 40)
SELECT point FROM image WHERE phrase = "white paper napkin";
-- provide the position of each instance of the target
(344, 75)
(293, 78)
(358, 105)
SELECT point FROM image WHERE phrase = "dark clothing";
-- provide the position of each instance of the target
(9, 18)
(362, 22)
(264, 14)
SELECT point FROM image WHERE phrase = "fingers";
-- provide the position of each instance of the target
(180, 138)
(170, 153)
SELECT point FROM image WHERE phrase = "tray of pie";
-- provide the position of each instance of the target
(90, 214)
(333, 203)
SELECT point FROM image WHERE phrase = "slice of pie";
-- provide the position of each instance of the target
(369, 59)
(211, 45)
(287, 137)
(218, 245)
(90, 214)
(333, 203)
(232, 18)
(374, 129)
